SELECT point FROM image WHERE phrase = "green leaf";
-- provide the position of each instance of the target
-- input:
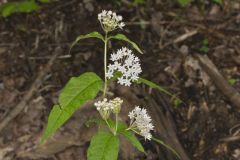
(161, 89)
(121, 130)
(26, 6)
(137, 2)
(177, 102)
(77, 92)
(8, 9)
(184, 2)
(89, 35)
(218, 1)
(204, 47)
(103, 146)
(166, 146)
(154, 85)
(130, 136)
(44, 1)
(124, 38)
(232, 81)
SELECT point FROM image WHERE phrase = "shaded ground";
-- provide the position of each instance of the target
(205, 122)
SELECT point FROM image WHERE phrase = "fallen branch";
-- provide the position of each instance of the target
(35, 86)
(231, 93)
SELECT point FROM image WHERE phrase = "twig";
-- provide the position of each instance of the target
(67, 56)
(35, 86)
(230, 139)
(181, 38)
(220, 82)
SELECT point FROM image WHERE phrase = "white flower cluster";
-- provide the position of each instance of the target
(125, 63)
(105, 107)
(141, 122)
(110, 20)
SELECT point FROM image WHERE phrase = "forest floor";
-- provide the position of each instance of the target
(206, 124)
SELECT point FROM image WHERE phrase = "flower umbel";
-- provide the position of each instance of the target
(125, 63)
(141, 122)
(105, 107)
(116, 104)
(110, 20)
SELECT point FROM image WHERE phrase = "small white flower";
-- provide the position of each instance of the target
(127, 64)
(109, 74)
(110, 20)
(105, 107)
(116, 104)
(141, 122)
(121, 25)
(119, 18)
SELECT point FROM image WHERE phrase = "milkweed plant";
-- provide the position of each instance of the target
(124, 68)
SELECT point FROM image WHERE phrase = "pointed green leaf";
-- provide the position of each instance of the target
(103, 146)
(166, 146)
(130, 136)
(161, 89)
(124, 38)
(89, 35)
(77, 92)
(154, 85)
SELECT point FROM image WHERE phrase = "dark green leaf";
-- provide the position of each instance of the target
(204, 49)
(153, 85)
(103, 146)
(89, 35)
(124, 38)
(137, 2)
(218, 1)
(76, 93)
(130, 136)
(184, 2)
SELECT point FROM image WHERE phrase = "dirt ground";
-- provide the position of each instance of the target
(206, 126)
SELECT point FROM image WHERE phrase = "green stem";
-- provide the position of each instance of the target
(116, 127)
(160, 142)
(134, 131)
(166, 146)
(108, 125)
(105, 65)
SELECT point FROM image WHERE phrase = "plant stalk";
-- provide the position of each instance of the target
(116, 127)
(105, 65)
(167, 146)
